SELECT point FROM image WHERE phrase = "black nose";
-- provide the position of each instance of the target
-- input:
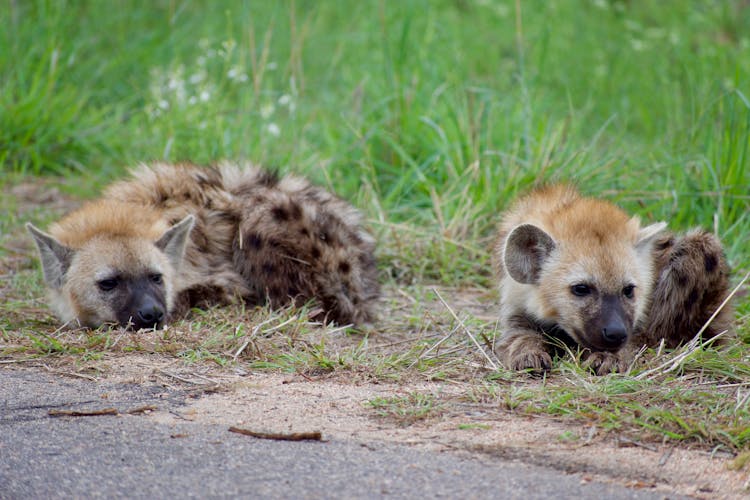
(614, 334)
(151, 316)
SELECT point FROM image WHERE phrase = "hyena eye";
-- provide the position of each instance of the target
(108, 284)
(629, 291)
(156, 278)
(580, 290)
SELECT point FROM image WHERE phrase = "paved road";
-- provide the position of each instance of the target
(135, 456)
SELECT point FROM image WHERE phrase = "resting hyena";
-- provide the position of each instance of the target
(581, 271)
(176, 236)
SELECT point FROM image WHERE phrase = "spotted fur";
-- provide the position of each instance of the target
(256, 236)
(581, 273)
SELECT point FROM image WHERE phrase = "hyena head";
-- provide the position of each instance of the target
(113, 276)
(592, 282)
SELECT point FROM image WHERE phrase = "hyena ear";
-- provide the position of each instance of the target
(55, 256)
(647, 236)
(526, 249)
(174, 240)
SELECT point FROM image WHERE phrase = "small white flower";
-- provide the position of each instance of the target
(266, 111)
(638, 45)
(284, 100)
(192, 100)
(164, 104)
(273, 129)
(205, 95)
(197, 78)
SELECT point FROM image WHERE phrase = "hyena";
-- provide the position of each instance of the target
(172, 237)
(580, 272)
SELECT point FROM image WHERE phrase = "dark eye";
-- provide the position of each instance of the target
(580, 290)
(629, 291)
(156, 278)
(108, 284)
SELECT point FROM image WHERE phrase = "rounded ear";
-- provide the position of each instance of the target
(526, 248)
(174, 240)
(647, 236)
(55, 256)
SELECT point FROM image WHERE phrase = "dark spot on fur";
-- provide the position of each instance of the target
(295, 211)
(315, 252)
(280, 214)
(680, 252)
(710, 262)
(269, 268)
(304, 232)
(691, 299)
(681, 279)
(253, 241)
(344, 267)
(292, 291)
(268, 178)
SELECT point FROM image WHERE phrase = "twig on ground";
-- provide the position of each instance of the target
(82, 413)
(142, 409)
(466, 330)
(294, 436)
(434, 346)
(104, 411)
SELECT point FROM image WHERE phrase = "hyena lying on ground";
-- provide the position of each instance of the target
(177, 236)
(581, 272)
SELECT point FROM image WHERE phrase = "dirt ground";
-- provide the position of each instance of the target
(341, 407)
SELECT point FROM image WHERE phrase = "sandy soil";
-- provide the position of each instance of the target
(340, 409)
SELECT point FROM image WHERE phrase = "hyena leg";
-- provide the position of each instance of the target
(692, 281)
(522, 346)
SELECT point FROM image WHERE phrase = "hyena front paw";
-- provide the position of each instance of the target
(603, 363)
(538, 361)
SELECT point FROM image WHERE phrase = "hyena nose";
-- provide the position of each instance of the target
(151, 315)
(614, 334)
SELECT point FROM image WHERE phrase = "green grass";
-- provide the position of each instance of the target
(430, 116)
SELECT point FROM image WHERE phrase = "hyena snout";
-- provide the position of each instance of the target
(147, 313)
(615, 333)
(611, 329)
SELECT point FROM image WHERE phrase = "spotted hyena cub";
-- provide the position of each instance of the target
(174, 237)
(580, 272)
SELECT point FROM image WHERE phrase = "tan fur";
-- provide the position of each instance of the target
(255, 236)
(555, 240)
